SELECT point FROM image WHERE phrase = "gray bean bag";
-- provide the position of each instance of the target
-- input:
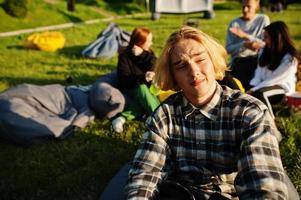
(33, 114)
(107, 43)
(105, 99)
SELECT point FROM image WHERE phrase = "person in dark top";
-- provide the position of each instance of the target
(135, 74)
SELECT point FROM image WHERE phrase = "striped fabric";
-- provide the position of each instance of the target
(232, 138)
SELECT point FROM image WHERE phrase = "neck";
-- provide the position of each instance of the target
(203, 100)
(248, 19)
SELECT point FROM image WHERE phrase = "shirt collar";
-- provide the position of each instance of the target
(209, 110)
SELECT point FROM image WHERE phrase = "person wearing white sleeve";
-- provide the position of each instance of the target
(275, 75)
(243, 41)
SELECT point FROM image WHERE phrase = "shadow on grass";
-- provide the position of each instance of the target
(12, 81)
(72, 51)
(76, 168)
(19, 47)
(297, 37)
(227, 6)
(70, 78)
(88, 2)
(123, 8)
(70, 17)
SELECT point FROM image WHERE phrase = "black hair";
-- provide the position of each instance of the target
(281, 44)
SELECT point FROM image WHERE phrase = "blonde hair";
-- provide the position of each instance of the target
(163, 69)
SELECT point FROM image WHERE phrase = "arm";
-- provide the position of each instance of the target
(233, 42)
(238, 40)
(257, 76)
(249, 41)
(147, 167)
(287, 66)
(260, 171)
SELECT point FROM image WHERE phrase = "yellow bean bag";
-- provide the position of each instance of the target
(161, 94)
(45, 41)
(239, 84)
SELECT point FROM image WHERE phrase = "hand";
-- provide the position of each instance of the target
(136, 50)
(149, 76)
(249, 92)
(253, 45)
(238, 32)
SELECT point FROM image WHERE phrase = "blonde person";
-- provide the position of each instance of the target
(243, 41)
(135, 74)
(216, 142)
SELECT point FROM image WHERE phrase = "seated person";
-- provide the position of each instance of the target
(243, 41)
(218, 142)
(275, 75)
(135, 74)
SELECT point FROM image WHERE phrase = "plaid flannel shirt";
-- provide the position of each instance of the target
(231, 136)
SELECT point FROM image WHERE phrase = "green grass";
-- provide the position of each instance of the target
(80, 166)
(40, 10)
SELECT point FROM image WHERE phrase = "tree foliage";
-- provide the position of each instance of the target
(16, 8)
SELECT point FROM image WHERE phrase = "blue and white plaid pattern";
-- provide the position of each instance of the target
(232, 139)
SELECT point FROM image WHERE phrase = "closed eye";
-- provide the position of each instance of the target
(200, 60)
(181, 66)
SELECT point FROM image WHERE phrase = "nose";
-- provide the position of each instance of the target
(194, 69)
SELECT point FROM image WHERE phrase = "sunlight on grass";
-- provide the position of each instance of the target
(80, 166)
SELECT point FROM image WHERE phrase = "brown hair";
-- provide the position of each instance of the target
(139, 36)
(163, 69)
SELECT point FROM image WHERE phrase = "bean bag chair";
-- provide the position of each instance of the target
(105, 99)
(161, 94)
(33, 114)
(46, 41)
(107, 42)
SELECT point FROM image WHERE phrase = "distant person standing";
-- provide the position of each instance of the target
(244, 40)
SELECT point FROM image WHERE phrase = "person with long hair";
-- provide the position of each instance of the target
(243, 41)
(275, 75)
(216, 142)
(135, 74)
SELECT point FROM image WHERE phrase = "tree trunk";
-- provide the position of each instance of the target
(71, 5)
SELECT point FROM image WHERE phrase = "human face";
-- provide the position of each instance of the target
(267, 39)
(193, 71)
(249, 8)
(148, 43)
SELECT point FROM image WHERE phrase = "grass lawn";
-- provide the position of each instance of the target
(80, 166)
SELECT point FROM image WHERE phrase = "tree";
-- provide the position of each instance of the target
(71, 5)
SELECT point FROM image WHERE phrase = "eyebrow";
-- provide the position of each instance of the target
(191, 56)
